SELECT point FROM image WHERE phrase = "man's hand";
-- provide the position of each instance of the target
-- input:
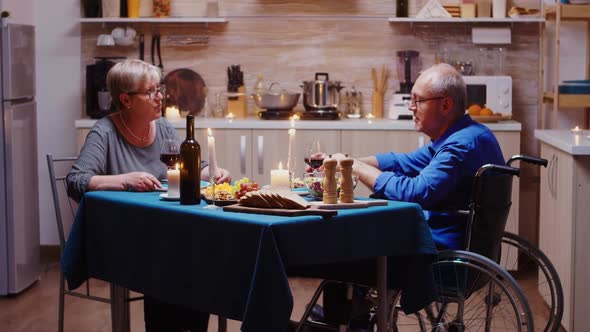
(222, 176)
(140, 181)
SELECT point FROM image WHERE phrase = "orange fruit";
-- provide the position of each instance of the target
(474, 109)
(486, 111)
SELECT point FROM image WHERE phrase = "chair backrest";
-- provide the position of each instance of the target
(491, 199)
(58, 168)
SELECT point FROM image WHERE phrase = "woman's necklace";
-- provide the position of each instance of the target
(142, 140)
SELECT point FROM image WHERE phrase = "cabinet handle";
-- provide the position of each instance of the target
(550, 174)
(243, 154)
(260, 155)
(554, 174)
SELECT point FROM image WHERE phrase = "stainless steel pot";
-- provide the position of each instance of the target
(321, 93)
(279, 101)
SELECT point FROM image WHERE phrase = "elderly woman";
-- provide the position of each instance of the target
(122, 152)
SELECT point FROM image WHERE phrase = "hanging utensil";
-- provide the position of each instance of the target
(153, 52)
(160, 65)
(141, 47)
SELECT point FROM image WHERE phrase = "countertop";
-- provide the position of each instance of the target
(566, 140)
(343, 124)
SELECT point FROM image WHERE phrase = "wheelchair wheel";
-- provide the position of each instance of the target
(473, 293)
(525, 262)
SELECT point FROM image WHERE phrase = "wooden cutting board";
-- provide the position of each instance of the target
(312, 211)
(356, 205)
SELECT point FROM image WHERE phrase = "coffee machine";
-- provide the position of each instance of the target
(98, 98)
(408, 68)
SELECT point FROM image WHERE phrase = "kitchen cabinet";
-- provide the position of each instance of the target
(560, 13)
(564, 229)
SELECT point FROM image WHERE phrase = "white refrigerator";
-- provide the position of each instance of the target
(19, 201)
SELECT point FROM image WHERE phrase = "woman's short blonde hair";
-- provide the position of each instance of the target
(128, 75)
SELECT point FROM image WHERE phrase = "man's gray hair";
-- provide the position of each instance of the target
(445, 80)
(126, 76)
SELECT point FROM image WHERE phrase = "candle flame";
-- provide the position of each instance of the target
(280, 165)
(576, 128)
(209, 133)
(176, 166)
(295, 117)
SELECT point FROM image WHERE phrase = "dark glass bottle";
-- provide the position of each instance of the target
(190, 170)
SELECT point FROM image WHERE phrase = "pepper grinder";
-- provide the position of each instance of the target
(346, 185)
(330, 190)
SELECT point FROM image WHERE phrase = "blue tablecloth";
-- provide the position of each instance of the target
(234, 264)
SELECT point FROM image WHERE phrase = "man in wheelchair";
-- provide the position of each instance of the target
(439, 175)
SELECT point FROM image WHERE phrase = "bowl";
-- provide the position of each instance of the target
(314, 182)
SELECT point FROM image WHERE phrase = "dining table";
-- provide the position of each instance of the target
(237, 265)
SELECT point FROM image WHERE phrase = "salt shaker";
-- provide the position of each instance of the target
(330, 186)
(346, 185)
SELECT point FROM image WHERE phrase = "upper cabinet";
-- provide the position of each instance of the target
(560, 14)
(159, 20)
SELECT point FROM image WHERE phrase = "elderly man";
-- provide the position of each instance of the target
(438, 176)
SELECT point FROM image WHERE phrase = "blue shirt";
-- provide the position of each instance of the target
(438, 176)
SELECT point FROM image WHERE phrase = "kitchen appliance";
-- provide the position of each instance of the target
(321, 98)
(408, 69)
(19, 188)
(495, 92)
(277, 104)
(98, 98)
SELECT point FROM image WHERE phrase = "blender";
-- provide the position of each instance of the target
(408, 68)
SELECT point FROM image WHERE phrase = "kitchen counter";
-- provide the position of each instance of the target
(566, 140)
(344, 124)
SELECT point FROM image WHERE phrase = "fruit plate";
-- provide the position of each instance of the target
(491, 118)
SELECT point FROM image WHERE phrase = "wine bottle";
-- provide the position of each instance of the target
(190, 169)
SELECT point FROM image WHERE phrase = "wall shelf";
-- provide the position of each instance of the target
(466, 20)
(163, 20)
(568, 100)
(569, 12)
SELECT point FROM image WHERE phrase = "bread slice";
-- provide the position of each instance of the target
(277, 199)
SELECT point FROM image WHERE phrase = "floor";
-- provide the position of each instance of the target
(35, 310)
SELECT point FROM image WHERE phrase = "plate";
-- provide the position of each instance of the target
(301, 191)
(163, 189)
(165, 197)
(491, 118)
(220, 203)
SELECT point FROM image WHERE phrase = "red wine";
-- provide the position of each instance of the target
(190, 166)
(170, 159)
(315, 163)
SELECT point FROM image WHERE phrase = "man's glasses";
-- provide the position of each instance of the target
(152, 93)
(414, 101)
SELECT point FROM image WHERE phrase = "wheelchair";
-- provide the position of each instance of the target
(473, 291)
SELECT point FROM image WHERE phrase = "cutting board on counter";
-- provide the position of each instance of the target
(355, 205)
(312, 211)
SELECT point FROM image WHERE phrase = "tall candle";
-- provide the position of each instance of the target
(211, 151)
(279, 178)
(173, 182)
(291, 159)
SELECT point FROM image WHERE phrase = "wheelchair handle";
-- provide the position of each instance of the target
(528, 159)
(499, 168)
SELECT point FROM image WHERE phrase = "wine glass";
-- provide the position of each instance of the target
(212, 177)
(313, 155)
(170, 153)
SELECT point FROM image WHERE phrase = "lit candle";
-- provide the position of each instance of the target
(291, 159)
(173, 182)
(172, 113)
(211, 151)
(230, 117)
(279, 178)
(576, 130)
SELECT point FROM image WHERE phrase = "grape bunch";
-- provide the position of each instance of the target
(243, 186)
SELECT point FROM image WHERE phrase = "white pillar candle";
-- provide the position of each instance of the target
(172, 113)
(173, 182)
(291, 158)
(211, 151)
(279, 178)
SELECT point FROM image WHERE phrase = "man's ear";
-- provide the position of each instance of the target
(448, 105)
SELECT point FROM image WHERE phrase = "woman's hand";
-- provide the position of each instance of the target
(140, 181)
(223, 176)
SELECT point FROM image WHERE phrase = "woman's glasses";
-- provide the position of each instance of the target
(152, 93)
